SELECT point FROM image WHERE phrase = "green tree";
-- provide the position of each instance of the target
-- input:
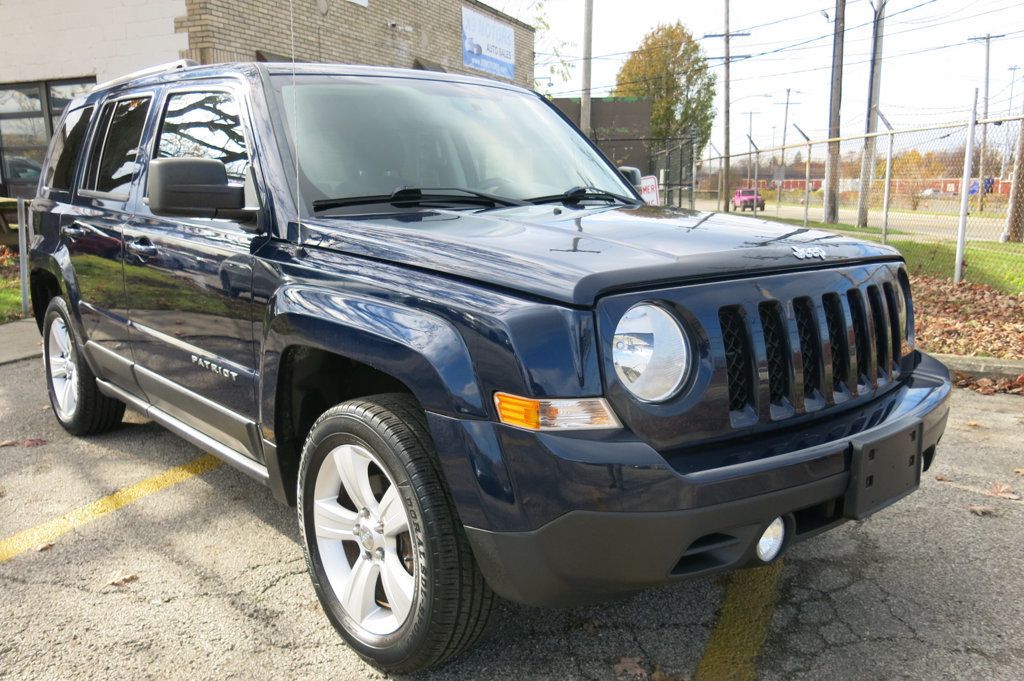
(670, 69)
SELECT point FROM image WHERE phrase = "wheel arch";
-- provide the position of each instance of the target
(324, 347)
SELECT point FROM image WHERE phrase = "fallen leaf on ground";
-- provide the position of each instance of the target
(973, 424)
(630, 666)
(982, 510)
(33, 442)
(970, 319)
(124, 580)
(1018, 471)
(3, 492)
(1002, 491)
(942, 478)
(44, 547)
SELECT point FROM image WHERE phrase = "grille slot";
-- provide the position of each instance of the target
(860, 333)
(810, 345)
(880, 322)
(837, 340)
(776, 350)
(895, 327)
(738, 358)
(820, 345)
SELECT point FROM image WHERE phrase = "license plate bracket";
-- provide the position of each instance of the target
(883, 471)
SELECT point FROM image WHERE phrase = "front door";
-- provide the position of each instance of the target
(188, 283)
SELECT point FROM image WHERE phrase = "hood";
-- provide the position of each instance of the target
(575, 255)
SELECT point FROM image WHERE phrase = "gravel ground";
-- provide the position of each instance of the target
(925, 589)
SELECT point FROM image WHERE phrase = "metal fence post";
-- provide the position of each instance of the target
(965, 181)
(757, 163)
(693, 175)
(888, 189)
(679, 179)
(23, 254)
(807, 184)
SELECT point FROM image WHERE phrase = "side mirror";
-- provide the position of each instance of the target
(196, 188)
(631, 174)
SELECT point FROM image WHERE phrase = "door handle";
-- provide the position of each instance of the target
(74, 230)
(141, 247)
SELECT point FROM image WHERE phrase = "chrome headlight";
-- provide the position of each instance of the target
(651, 353)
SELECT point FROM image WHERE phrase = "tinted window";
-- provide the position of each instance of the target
(67, 149)
(204, 125)
(114, 155)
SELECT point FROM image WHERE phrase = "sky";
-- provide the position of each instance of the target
(930, 87)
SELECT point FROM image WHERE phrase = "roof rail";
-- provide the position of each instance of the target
(151, 71)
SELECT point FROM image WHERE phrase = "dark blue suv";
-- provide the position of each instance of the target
(427, 311)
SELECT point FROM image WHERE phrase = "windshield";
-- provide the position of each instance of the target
(365, 136)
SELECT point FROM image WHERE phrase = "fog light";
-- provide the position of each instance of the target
(770, 543)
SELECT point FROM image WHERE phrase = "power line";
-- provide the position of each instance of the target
(671, 43)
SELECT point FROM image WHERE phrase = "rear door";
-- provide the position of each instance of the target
(92, 232)
(189, 280)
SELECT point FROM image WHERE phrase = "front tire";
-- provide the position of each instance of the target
(77, 402)
(389, 559)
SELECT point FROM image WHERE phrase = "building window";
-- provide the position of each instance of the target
(29, 112)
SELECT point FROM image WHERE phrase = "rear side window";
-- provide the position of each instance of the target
(115, 151)
(204, 125)
(67, 149)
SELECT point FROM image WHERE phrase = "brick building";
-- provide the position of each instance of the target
(55, 49)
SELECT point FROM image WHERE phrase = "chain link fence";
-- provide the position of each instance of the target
(907, 188)
(674, 168)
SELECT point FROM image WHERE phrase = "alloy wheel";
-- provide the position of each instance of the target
(63, 369)
(363, 538)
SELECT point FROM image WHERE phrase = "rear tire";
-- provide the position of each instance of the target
(76, 400)
(374, 511)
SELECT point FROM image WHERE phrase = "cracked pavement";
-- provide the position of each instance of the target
(923, 589)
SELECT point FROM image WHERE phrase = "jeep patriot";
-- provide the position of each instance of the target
(427, 311)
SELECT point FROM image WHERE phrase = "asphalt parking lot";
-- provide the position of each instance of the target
(196, 572)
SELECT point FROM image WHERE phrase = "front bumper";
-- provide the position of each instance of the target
(585, 527)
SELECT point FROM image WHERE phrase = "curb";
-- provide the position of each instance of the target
(991, 367)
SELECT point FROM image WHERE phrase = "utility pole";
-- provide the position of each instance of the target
(782, 153)
(867, 162)
(588, 26)
(831, 211)
(988, 37)
(725, 36)
(725, 122)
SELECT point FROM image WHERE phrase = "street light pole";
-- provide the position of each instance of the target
(867, 165)
(782, 154)
(588, 25)
(1009, 112)
(750, 148)
(988, 37)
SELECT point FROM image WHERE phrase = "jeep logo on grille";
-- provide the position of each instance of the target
(805, 253)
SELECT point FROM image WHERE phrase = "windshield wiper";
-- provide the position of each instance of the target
(404, 197)
(578, 194)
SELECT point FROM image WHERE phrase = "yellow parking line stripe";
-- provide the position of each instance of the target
(50, 531)
(735, 642)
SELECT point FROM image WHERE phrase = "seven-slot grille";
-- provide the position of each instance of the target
(858, 337)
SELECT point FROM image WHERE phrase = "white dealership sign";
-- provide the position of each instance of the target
(488, 45)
